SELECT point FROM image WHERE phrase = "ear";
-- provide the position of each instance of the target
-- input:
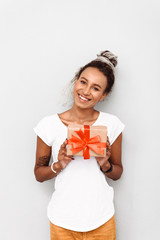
(103, 97)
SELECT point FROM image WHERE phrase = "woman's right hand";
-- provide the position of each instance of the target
(63, 158)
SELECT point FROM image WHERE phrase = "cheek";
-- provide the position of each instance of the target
(97, 95)
(75, 88)
(75, 85)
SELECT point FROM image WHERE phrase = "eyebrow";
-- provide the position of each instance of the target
(94, 83)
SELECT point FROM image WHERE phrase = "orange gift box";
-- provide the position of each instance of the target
(86, 141)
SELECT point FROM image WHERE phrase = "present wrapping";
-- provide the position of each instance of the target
(86, 141)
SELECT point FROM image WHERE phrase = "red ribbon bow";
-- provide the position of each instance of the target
(85, 143)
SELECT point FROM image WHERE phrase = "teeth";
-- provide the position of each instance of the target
(85, 99)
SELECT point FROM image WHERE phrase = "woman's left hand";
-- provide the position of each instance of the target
(103, 161)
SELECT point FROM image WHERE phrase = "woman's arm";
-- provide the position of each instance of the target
(42, 170)
(114, 156)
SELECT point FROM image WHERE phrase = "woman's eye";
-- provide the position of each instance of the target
(96, 89)
(83, 82)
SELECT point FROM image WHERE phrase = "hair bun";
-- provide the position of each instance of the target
(110, 56)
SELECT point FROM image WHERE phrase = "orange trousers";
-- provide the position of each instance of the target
(105, 232)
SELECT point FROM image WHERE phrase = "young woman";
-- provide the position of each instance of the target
(81, 206)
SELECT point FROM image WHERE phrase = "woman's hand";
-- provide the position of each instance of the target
(42, 169)
(103, 161)
(63, 158)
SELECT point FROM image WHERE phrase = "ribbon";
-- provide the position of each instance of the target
(85, 143)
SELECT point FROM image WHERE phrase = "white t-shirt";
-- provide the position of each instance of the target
(82, 200)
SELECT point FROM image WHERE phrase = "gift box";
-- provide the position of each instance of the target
(86, 141)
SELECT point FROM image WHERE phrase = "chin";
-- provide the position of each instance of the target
(83, 106)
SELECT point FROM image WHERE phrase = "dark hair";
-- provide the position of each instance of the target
(105, 67)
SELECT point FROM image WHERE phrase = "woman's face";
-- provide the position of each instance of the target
(89, 88)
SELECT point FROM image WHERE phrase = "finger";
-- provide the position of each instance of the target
(64, 157)
(109, 148)
(108, 142)
(62, 147)
(64, 144)
(99, 159)
(108, 154)
(68, 158)
(61, 154)
(63, 151)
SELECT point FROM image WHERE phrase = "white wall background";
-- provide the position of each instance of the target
(42, 45)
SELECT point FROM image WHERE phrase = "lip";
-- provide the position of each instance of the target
(83, 99)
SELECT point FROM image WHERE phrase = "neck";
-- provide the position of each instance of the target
(81, 114)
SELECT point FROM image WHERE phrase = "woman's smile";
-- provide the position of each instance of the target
(83, 99)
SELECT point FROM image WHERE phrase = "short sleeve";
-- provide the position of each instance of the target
(117, 129)
(42, 131)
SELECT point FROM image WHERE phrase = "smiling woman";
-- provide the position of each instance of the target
(90, 87)
(82, 203)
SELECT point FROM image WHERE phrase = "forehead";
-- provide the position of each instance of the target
(93, 75)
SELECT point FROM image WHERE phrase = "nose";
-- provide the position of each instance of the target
(86, 90)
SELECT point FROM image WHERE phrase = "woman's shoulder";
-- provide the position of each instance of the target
(48, 120)
(113, 124)
(46, 128)
(111, 120)
(49, 117)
